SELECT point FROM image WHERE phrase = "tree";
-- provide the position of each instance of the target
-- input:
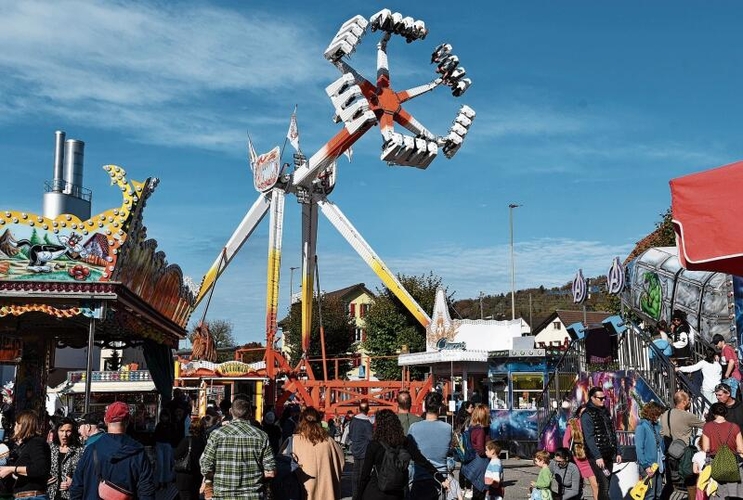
(390, 326)
(221, 332)
(338, 329)
(255, 355)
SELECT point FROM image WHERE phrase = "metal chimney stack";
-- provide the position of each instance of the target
(66, 194)
(74, 152)
(58, 180)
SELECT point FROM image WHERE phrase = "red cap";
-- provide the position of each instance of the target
(116, 412)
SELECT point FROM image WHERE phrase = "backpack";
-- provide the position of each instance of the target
(725, 466)
(392, 475)
(685, 465)
(463, 450)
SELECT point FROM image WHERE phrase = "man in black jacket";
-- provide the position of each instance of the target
(601, 439)
(359, 433)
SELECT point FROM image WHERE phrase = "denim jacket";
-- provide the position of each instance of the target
(648, 442)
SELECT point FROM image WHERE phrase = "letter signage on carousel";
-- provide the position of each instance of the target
(267, 169)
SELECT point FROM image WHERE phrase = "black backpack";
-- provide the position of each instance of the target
(392, 475)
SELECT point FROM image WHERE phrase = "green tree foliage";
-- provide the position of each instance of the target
(664, 228)
(339, 331)
(390, 326)
(221, 331)
(255, 354)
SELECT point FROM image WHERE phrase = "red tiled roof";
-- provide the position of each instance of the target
(567, 318)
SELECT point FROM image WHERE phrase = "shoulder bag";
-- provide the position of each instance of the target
(676, 447)
(106, 489)
(183, 464)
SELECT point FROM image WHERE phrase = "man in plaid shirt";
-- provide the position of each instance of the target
(237, 457)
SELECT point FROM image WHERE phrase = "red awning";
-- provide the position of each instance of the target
(708, 219)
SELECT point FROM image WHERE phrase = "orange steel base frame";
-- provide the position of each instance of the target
(336, 396)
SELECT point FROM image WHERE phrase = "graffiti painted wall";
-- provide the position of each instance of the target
(658, 285)
(626, 394)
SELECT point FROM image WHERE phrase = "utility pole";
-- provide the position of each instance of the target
(511, 206)
(291, 286)
(482, 313)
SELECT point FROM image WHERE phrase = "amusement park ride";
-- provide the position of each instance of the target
(359, 105)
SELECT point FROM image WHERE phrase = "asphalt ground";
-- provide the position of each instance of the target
(518, 473)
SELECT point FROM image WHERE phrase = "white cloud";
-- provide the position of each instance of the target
(551, 262)
(147, 67)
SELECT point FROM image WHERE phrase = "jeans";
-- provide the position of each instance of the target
(358, 464)
(654, 484)
(601, 478)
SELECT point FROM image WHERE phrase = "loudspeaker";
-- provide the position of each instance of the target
(576, 331)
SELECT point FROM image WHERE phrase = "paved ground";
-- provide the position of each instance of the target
(518, 474)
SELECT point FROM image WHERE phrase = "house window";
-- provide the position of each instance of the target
(352, 309)
(363, 310)
(359, 335)
(557, 325)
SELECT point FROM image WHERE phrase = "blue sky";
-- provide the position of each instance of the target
(585, 111)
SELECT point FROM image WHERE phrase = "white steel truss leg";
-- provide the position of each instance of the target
(242, 233)
(344, 226)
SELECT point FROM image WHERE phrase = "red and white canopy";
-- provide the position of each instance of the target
(708, 219)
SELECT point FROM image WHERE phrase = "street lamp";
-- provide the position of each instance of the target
(511, 206)
(291, 285)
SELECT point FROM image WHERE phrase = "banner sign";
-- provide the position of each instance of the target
(266, 170)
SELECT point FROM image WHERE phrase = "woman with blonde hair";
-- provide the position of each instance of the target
(319, 457)
(33, 462)
(474, 471)
(573, 440)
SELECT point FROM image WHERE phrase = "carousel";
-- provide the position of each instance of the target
(72, 279)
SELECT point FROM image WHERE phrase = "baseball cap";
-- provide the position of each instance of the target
(117, 412)
(94, 418)
(269, 417)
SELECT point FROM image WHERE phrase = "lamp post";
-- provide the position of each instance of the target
(291, 286)
(511, 206)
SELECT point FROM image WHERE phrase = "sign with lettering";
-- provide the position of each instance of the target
(615, 277)
(580, 288)
(445, 345)
(266, 170)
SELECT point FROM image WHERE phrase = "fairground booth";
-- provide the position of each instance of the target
(72, 283)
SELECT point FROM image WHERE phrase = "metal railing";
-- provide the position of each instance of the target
(659, 373)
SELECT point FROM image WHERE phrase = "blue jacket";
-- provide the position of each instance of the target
(121, 460)
(648, 441)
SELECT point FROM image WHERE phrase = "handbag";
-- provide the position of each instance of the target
(108, 490)
(724, 466)
(577, 445)
(183, 464)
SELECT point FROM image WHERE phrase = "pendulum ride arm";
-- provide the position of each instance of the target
(354, 238)
(242, 233)
(275, 237)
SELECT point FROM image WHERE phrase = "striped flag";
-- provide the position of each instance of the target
(252, 155)
(293, 133)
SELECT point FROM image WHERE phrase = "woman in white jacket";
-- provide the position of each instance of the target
(711, 374)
